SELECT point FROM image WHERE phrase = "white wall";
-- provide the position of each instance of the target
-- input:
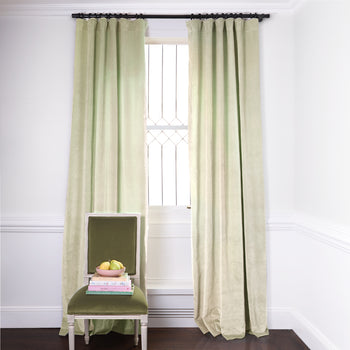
(277, 97)
(36, 93)
(322, 168)
(36, 55)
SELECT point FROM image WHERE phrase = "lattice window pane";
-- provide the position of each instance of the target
(182, 83)
(154, 174)
(183, 177)
(155, 83)
(169, 85)
(167, 134)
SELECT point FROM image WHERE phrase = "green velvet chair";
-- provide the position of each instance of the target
(111, 236)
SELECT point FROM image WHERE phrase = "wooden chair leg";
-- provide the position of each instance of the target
(86, 331)
(71, 339)
(136, 332)
(144, 323)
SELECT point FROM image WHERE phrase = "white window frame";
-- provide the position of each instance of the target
(168, 224)
(168, 41)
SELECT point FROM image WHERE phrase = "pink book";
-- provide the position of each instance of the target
(97, 288)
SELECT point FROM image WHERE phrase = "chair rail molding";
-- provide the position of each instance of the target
(32, 224)
(326, 232)
(323, 231)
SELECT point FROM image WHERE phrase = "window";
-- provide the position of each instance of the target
(167, 129)
(168, 166)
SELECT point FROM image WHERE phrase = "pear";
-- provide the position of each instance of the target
(116, 265)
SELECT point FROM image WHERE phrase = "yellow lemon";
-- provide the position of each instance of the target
(105, 265)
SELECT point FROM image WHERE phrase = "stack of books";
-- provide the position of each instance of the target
(110, 285)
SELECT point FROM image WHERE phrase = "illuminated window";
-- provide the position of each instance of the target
(167, 124)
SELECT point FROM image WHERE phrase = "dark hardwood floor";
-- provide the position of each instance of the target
(158, 339)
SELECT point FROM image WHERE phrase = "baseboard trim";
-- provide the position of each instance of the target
(51, 317)
(310, 334)
(30, 316)
(290, 318)
(278, 318)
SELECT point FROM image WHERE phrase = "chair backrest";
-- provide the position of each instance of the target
(113, 236)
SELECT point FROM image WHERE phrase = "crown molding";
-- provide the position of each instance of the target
(149, 7)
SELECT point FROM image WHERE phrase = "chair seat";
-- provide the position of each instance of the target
(92, 304)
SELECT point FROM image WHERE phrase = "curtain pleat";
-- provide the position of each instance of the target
(227, 191)
(107, 170)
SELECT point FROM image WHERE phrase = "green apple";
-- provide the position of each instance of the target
(115, 265)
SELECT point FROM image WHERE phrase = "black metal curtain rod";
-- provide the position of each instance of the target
(259, 16)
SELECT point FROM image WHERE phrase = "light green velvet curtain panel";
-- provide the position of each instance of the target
(227, 189)
(107, 170)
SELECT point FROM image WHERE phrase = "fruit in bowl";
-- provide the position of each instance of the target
(111, 268)
(105, 265)
(116, 265)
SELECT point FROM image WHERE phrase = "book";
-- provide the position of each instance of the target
(111, 283)
(93, 292)
(123, 277)
(109, 288)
